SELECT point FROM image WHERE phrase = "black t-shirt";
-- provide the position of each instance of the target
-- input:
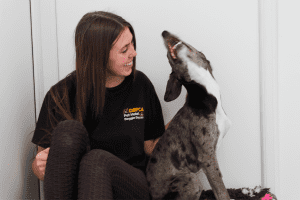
(132, 114)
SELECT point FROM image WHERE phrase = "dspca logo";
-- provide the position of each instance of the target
(133, 113)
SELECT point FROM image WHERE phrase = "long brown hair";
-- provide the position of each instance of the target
(94, 37)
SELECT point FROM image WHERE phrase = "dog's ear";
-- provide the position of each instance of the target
(173, 88)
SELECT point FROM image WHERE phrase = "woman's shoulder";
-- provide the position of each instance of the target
(69, 81)
(142, 78)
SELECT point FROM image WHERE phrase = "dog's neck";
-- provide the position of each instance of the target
(199, 98)
(203, 92)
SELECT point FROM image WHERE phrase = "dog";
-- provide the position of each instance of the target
(188, 146)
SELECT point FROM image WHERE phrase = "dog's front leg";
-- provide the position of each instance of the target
(214, 176)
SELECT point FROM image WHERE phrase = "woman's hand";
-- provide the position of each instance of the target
(39, 164)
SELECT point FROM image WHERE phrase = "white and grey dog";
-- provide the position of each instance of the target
(189, 144)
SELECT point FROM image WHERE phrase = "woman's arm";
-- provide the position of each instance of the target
(168, 124)
(150, 144)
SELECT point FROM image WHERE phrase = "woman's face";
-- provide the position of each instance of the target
(121, 53)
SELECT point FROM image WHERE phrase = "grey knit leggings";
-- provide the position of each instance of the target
(73, 171)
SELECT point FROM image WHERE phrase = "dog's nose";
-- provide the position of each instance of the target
(165, 34)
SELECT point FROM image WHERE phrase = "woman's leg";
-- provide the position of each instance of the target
(102, 175)
(69, 142)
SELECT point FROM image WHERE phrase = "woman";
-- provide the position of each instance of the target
(102, 121)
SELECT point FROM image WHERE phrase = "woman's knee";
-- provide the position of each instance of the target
(70, 133)
(98, 158)
(98, 155)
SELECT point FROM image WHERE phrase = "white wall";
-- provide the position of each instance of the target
(289, 97)
(17, 106)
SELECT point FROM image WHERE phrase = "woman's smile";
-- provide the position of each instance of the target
(128, 64)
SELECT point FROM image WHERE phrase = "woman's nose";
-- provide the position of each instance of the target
(133, 53)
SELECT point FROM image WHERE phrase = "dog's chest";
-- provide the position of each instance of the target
(223, 123)
(203, 77)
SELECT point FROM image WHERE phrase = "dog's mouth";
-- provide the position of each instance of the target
(171, 41)
(172, 49)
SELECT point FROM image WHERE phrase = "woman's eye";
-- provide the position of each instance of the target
(127, 49)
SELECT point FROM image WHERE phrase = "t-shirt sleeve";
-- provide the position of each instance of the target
(41, 137)
(154, 124)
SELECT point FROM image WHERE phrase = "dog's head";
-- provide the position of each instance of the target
(191, 69)
(188, 65)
